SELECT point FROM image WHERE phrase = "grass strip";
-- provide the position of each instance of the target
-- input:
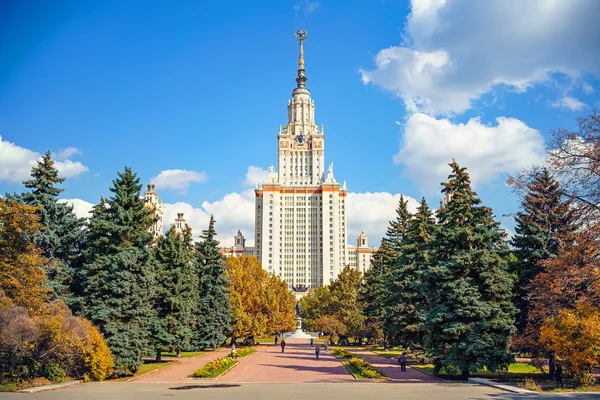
(365, 369)
(186, 354)
(149, 367)
(215, 368)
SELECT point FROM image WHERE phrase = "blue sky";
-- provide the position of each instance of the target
(401, 88)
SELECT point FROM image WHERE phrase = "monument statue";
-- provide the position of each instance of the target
(298, 307)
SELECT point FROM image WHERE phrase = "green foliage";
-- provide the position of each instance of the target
(469, 314)
(61, 238)
(175, 291)
(118, 272)
(215, 368)
(405, 302)
(213, 309)
(544, 216)
(54, 372)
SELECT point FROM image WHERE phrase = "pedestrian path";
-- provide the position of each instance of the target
(297, 364)
(391, 368)
(180, 371)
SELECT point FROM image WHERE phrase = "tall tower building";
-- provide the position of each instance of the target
(180, 225)
(300, 209)
(151, 200)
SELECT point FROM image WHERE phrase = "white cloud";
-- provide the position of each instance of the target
(178, 179)
(452, 52)
(67, 153)
(587, 88)
(305, 6)
(255, 174)
(81, 208)
(570, 103)
(371, 212)
(429, 144)
(16, 163)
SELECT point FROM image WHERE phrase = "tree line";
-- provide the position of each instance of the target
(137, 295)
(452, 284)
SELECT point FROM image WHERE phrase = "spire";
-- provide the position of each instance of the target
(301, 35)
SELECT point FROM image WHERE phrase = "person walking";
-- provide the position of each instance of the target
(317, 351)
(326, 344)
(558, 375)
(233, 351)
(283, 345)
(402, 361)
(311, 342)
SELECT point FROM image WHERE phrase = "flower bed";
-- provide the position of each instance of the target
(244, 351)
(215, 368)
(341, 352)
(365, 369)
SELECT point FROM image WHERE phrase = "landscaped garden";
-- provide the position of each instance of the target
(215, 368)
(362, 369)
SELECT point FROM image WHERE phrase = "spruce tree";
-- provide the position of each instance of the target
(61, 240)
(406, 302)
(544, 216)
(175, 294)
(214, 316)
(118, 272)
(376, 288)
(469, 314)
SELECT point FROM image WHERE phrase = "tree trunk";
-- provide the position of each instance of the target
(465, 374)
(437, 367)
(158, 355)
(178, 353)
(551, 366)
(232, 341)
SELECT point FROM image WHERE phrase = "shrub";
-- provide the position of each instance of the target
(244, 351)
(54, 344)
(365, 369)
(340, 352)
(54, 372)
(211, 369)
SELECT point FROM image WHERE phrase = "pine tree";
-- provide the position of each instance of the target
(118, 272)
(543, 218)
(61, 238)
(469, 314)
(175, 294)
(214, 314)
(406, 302)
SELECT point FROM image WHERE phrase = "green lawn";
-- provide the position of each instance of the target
(185, 354)
(9, 387)
(151, 366)
(515, 371)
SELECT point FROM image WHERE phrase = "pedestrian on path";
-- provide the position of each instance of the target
(311, 342)
(317, 351)
(283, 345)
(233, 351)
(402, 361)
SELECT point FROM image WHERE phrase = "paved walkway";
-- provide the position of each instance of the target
(391, 368)
(179, 372)
(297, 364)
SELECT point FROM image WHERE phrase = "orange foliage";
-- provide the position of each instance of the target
(22, 276)
(574, 337)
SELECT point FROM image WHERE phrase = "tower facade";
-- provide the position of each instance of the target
(300, 210)
(152, 202)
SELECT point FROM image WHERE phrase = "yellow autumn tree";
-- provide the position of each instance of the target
(574, 337)
(261, 304)
(22, 276)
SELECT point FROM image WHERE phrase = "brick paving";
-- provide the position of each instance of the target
(179, 372)
(391, 368)
(297, 364)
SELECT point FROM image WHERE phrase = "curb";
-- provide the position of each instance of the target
(507, 388)
(53, 386)
(133, 378)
